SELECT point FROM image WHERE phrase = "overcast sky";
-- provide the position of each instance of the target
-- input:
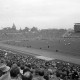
(39, 13)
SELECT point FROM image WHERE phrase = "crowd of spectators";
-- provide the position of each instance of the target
(19, 67)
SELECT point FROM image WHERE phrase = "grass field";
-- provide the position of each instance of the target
(39, 52)
(67, 46)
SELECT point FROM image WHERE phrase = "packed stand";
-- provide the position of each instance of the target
(20, 67)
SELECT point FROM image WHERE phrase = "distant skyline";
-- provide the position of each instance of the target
(39, 13)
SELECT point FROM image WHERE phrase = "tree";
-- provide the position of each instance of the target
(34, 29)
(7, 29)
(26, 29)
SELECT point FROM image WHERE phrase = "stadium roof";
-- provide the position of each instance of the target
(77, 23)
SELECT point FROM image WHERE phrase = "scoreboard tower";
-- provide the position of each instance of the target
(77, 27)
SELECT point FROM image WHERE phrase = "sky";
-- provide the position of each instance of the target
(39, 13)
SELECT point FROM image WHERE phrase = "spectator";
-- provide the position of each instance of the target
(4, 72)
(40, 76)
(46, 76)
(15, 72)
(3, 68)
(41, 73)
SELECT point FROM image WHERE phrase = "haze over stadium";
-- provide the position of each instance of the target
(39, 13)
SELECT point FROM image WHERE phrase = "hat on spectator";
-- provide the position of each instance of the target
(26, 69)
(27, 76)
(3, 67)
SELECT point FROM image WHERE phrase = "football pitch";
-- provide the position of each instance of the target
(38, 52)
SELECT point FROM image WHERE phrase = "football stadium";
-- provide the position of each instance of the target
(54, 55)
